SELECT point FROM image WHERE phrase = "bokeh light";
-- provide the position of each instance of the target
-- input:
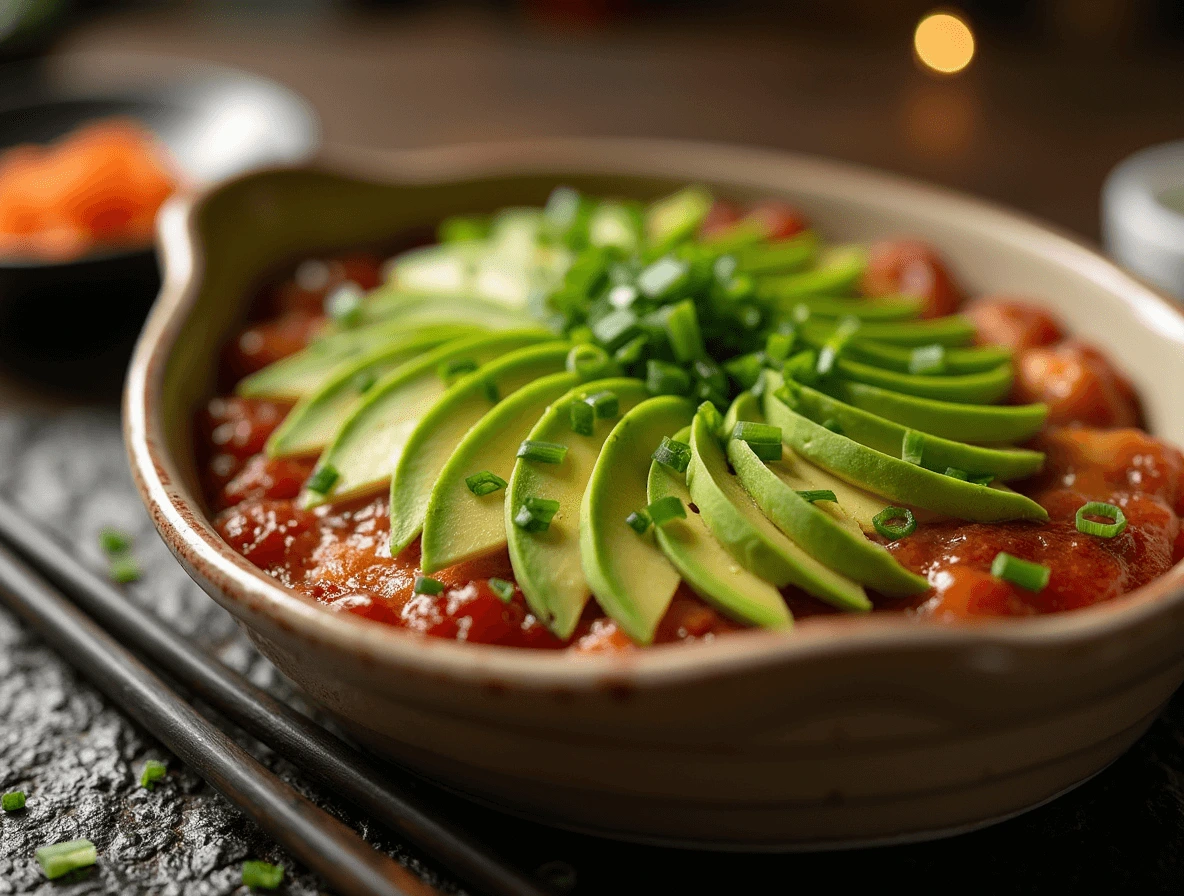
(944, 42)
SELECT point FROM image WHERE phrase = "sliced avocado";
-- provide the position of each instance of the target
(894, 478)
(854, 507)
(964, 388)
(704, 563)
(441, 268)
(460, 525)
(628, 573)
(749, 536)
(823, 309)
(841, 547)
(300, 374)
(430, 444)
(978, 424)
(677, 217)
(780, 257)
(312, 423)
(838, 270)
(899, 358)
(951, 331)
(547, 564)
(886, 436)
(366, 450)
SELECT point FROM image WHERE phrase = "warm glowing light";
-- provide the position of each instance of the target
(944, 42)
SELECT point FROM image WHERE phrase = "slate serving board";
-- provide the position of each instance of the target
(78, 758)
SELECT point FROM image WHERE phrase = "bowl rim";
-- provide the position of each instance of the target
(245, 590)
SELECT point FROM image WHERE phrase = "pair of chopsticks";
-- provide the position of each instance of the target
(88, 641)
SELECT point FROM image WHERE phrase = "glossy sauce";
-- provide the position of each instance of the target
(338, 555)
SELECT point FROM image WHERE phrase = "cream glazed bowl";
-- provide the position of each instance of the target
(843, 730)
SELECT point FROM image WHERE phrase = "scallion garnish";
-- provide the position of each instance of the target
(912, 448)
(582, 418)
(746, 369)
(1117, 518)
(124, 569)
(895, 522)
(666, 510)
(778, 347)
(589, 362)
(543, 452)
(13, 801)
(485, 483)
(835, 344)
(450, 370)
(982, 478)
(344, 305)
(630, 352)
(672, 454)
(818, 494)
(763, 439)
(322, 479)
(1027, 575)
(154, 771)
(638, 521)
(801, 367)
(114, 541)
(833, 425)
(662, 378)
(503, 589)
(62, 858)
(535, 514)
(682, 329)
(712, 417)
(426, 585)
(955, 473)
(489, 387)
(615, 328)
(663, 278)
(262, 875)
(927, 360)
(605, 404)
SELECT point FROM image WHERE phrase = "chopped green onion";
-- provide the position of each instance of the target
(663, 278)
(322, 479)
(786, 395)
(589, 362)
(778, 347)
(746, 369)
(262, 875)
(927, 359)
(801, 367)
(344, 305)
(153, 772)
(672, 454)
(363, 381)
(895, 522)
(763, 439)
(543, 452)
(124, 569)
(912, 448)
(622, 295)
(1027, 575)
(710, 374)
(503, 589)
(712, 416)
(615, 328)
(485, 483)
(489, 387)
(13, 801)
(666, 510)
(457, 367)
(605, 404)
(682, 329)
(535, 514)
(630, 352)
(582, 418)
(1117, 518)
(638, 521)
(817, 494)
(835, 344)
(662, 378)
(955, 473)
(62, 858)
(114, 541)
(983, 479)
(426, 585)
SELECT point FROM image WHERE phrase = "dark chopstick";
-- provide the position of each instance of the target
(296, 737)
(314, 836)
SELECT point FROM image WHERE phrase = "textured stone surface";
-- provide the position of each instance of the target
(78, 758)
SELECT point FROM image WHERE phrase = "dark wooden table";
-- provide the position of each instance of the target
(1022, 127)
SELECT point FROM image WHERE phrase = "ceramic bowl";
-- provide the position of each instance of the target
(845, 730)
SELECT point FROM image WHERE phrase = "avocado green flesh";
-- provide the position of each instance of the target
(312, 423)
(883, 435)
(676, 217)
(898, 358)
(703, 562)
(781, 257)
(459, 525)
(951, 332)
(302, 373)
(367, 448)
(977, 424)
(749, 536)
(445, 425)
(837, 271)
(967, 388)
(823, 310)
(547, 564)
(894, 478)
(842, 548)
(628, 573)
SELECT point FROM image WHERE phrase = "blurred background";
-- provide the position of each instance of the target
(1056, 92)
